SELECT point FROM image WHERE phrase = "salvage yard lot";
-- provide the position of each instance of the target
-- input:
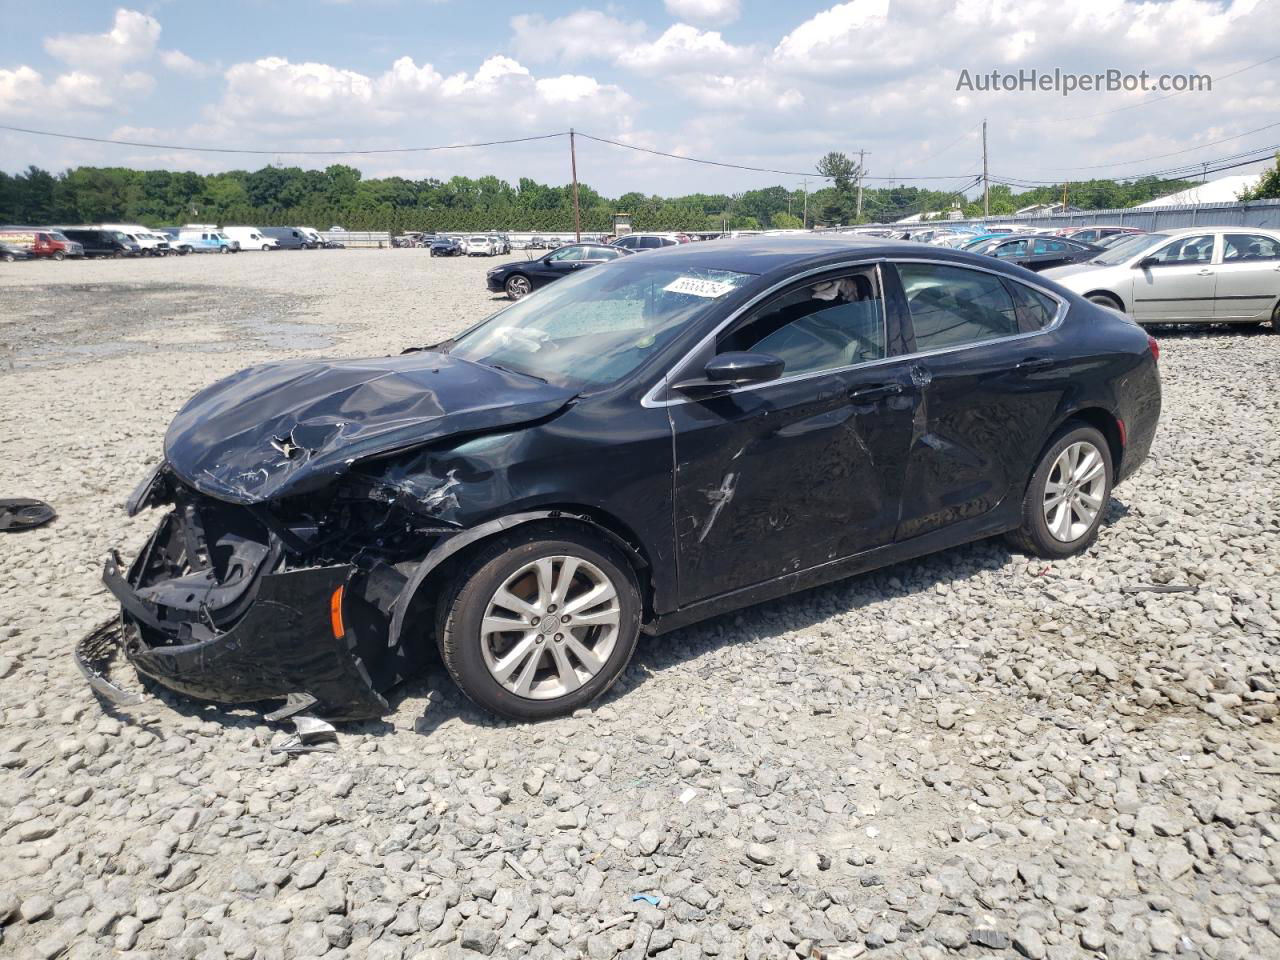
(966, 755)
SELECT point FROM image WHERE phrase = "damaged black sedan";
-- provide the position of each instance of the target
(642, 445)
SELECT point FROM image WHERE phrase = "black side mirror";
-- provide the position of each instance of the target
(740, 367)
(1146, 263)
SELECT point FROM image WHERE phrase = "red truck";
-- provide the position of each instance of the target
(41, 242)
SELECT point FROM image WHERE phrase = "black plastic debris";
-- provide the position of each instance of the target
(20, 513)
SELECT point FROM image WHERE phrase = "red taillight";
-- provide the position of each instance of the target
(1154, 344)
(1124, 431)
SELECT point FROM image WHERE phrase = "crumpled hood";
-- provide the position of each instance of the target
(287, 428)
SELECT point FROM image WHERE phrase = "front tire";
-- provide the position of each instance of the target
(1067, 497)
(1275, 318)
(59, 256)
(518, 286)
(540, 623)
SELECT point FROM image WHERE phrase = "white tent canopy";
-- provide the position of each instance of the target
(1224, 190)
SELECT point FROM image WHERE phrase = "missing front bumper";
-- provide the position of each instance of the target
(287, 642)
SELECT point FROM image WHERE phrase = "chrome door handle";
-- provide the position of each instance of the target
(1206, 273)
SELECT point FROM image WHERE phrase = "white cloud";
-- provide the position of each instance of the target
(23, 91)
(179, 62)
(316, 99)
(704, 11)
(834, 31)
(132, 37)
(684, 49)
(582, 35)
(569, 88)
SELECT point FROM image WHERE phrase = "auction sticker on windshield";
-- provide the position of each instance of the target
(699, 287)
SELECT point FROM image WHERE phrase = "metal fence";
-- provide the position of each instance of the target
(359, 238)
(1252, 213)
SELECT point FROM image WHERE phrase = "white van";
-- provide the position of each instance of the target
(251, 238)
(312, 235)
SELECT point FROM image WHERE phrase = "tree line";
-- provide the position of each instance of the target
(278, 196)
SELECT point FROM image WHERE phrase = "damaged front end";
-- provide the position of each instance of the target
(304, 497)
(239, 604)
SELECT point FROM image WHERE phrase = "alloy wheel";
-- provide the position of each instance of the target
(1074, 490)
(550, 627)
(517, 287)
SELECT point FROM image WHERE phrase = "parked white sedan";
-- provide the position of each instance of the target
(1194, 275)
(479, 246)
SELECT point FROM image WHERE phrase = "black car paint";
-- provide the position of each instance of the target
(546, 269)
(721, 500)
(101, 243)
(1075, 251)
(446, 247)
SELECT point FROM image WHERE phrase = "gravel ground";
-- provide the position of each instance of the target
(970, 755)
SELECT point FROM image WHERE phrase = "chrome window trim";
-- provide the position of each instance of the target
(653, 399)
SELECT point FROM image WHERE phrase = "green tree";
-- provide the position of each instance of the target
(1268, 188)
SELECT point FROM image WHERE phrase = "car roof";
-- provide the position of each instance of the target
(787, 252)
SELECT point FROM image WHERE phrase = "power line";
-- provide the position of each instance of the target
(1175, 153)
(740, 166)
(1222, 163)
(301, 153)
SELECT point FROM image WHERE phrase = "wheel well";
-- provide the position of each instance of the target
(1107, 294)
(1105, 423)
(602, 525)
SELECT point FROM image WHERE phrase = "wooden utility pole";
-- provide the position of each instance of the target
(1064, 195)
(573, 164)
(986, 184)
(862, 155)
(806, 203)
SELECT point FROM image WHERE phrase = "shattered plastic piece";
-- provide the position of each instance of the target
(688, 795)
(95, 654)
(293, 704)
(21, 513)
(313, 736)
(648, 898)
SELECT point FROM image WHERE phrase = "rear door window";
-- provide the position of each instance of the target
(1242, 247)
(955, 306)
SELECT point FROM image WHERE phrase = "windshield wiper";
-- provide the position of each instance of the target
(518, 373)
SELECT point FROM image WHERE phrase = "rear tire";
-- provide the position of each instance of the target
(1105, 300)
(1275, 318)
(1067, 497)
(537, 576)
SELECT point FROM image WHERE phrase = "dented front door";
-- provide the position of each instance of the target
(780, 477)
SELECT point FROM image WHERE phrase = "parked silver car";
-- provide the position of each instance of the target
(1195, 275)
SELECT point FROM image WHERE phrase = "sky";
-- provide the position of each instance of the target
(755, 82)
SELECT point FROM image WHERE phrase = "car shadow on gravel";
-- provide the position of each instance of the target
(796, 613)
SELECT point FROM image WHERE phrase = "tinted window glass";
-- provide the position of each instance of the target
(1014, 248)
(1050, 246)
(568, 253)
(1034, 310)
(818, 326)
(597, 325)
(1249, 246)
(952, 306)
(1198, 249)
